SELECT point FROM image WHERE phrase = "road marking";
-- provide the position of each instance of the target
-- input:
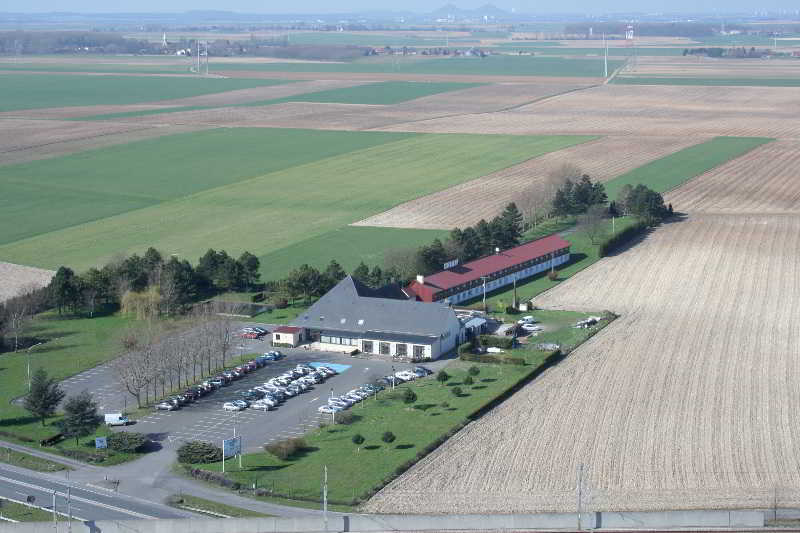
(76, 498)
(314, 400)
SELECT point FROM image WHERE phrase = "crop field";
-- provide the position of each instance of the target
(467, 203)
(17, 278)
(497, 65)
(703, 421)
(713, 72)
(731, 187)
(183, 196)
(30, 91)
(639, 111)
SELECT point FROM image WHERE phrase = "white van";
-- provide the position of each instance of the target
(116, 419)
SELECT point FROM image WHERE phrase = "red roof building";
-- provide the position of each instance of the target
(465, 282)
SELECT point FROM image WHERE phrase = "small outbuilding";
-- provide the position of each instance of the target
(287, 335)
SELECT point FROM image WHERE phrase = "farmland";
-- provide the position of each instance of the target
(31, 91)
(186, 205)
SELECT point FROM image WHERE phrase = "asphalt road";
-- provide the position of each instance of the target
(87, 504)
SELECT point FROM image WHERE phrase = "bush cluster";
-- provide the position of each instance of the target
(497, 342)
(618, 240)
(11, 435)
(282, 345)
(127, 441)
(345, 417)
(409, 396)
(80, 455)
(194, 452)
(214, 477)
(487, 358)
(287, 448)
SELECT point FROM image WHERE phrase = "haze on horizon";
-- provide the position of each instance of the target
(419, 6)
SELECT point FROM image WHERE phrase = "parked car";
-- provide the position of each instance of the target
(166, 406)
(261, 405)
(329, 409)
(424, 369)
(231, 406)
(116, 419)
(531, 327)
(406, 375)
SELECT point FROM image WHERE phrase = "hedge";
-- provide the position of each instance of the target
(486, 358)
(282, 345)
(127, 441)
(618, 240)
(497, 342)
(199, 452)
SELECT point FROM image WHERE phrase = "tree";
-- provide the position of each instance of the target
(249, 268)
(80, 416)
(471, 245)
(474, 370)
(44, 397)
(361, 273)
(442, 376)
(64, 291)
(468, 380)
(624, 198)
(334, 272)
(127, 441)
(376, 278)
(561, 206)
(512, 225)
(456, 391)
(592, 222)
(358, 439)
(196, 452)
(409, 396)
(388, 437)
(305, 281)
(433, 256)
(647, 205)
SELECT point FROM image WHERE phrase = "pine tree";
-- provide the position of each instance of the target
(361, 273)
(44, 397)
(80, 416)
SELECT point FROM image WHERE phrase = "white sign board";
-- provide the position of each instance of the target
(100, 443)
(231, 447)
(451, 264)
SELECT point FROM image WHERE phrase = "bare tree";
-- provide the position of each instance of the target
(592, 222)
(19, 312)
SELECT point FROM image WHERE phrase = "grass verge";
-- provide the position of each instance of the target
(17, 512)
(212, 508)
(31, 462)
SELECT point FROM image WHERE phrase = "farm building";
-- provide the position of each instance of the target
(352, 316)
(465, 282)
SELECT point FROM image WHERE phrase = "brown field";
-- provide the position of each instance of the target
(467, 203)
(15, 279)
(705, 67)
(400, 76)
(641, 111)
(24, 140)
(765, 180)
(687, 401)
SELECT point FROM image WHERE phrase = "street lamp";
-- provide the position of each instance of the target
(394, 378)
(29, 362)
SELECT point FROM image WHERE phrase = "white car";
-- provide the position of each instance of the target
(329, 409)
(261, 405)
(494, 350)
(531, 327)
(406, 375)
(230, 406)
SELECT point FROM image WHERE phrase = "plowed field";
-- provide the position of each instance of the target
(16, 278)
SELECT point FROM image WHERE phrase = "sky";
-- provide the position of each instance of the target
(339, 6)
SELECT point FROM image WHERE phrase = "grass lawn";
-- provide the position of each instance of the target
(276, 209)
(31, 91)
(354, 472)
(281, 316)
(31, 462)
(496, 65)
(22, 513)
(673, 170)
(96, 184)
(744, 82)
(212, 508)
(348, 245)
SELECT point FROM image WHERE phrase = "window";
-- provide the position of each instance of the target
(277, 336)
(384, 348)
(419, 352)
(402, 349)
(326, 339)
(367, 347)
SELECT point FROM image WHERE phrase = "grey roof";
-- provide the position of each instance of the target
(475, 323)
(400, 337)
(351, 306)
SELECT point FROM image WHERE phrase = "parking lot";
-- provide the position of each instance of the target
(206, 420)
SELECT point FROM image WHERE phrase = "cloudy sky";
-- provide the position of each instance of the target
(330, 6)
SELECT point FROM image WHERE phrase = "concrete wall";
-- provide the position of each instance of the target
(375, 523)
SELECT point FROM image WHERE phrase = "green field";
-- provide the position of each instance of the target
(496, 65)
(310, 196)
(381, 93)
(32, 91)
(349, 245)
(721, 82)
(673, 170)
(31, 462)
(96, 184)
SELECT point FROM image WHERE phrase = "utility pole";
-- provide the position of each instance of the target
(484, 293)
(325, 498)
(69, 508)
(605, 62)
(580, 493)
(55, 514)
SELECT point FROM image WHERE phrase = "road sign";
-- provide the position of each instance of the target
(231, 447)
(100, 442)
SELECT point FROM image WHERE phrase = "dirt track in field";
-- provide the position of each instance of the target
(640, 111)
(24, 140)
(467, 203)
(687, 401)
(14, 279)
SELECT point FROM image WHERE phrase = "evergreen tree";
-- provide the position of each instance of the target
(64, 289)
(376, 279)
(44, 397)
(361, 273)
(471, 244)
(80, 416)
(306, 281)
(249, 267)
(561, 204)
(335, 272)
(484, 232)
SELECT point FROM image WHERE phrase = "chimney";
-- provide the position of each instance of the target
(497, 250)
(420, 279)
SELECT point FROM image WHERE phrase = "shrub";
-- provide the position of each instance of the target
(618, 240)
(468, 380)
(345, 417)
(465, 348)
(497, 342)
(456, 391)
(474, 370)
(80, 455)
(282, 345)
(388, 437)
(512, 310)
(358, 439)
(11, 435)
(127, 441)
(444, 405)
(214, 477)
(281, 303)
(195, 451)
(442, 376)
(409, 396)
(552, 275)
(286, 449)
(258, 297)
